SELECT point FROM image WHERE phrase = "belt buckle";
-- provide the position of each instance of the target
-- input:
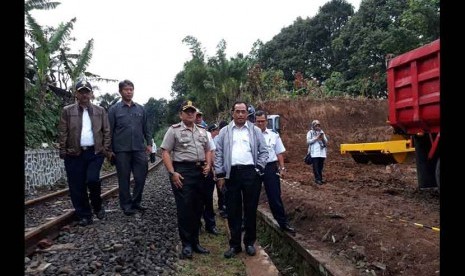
(84, 148)
(198, 164)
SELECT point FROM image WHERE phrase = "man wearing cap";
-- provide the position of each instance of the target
(273, 170)
(199, 119)
(240, 160)
(188, 166)
(131, 143)
(208, 213)
(84, 137)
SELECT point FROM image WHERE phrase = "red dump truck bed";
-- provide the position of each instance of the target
(413, 90)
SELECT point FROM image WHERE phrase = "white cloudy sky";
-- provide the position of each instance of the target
(141, 40)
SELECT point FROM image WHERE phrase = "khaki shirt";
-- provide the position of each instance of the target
(186, 145)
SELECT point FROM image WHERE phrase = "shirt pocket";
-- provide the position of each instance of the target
(202, 139)
(184, 139)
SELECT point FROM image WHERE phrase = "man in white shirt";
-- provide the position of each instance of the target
(273, 170)
(240, 160)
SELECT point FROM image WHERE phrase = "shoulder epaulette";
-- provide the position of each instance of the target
(201, 126)
(176, 125)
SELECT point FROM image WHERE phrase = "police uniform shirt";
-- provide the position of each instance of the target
(186, 145)
(241, 153)
(274, 144)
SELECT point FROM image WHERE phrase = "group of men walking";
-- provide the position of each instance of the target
(236, 158)
(87, 134)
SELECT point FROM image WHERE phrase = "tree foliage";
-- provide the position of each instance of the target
(49, 70)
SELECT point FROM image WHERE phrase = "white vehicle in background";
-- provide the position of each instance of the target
(273, 120)
(273, 123)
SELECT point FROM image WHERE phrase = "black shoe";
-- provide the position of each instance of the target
(85, 221)
(213, 231)
(186, 252)
(318, 182)
(232, 252)
(288, 228)
(129, 212)
(100, 214)
(250, 250)
(139, 207)
(201, 250)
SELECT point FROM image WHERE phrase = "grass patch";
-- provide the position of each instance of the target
(214, 263)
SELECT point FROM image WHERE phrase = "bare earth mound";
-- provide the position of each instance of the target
(364, 213)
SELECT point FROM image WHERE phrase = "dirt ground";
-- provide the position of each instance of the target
(364, 212)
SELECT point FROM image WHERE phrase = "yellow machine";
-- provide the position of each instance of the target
(383, 153)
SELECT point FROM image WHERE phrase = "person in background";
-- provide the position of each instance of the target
(317, 141)
(240, 160)
(199, 119)
(208, 188)
(273, 170)
(187, 157)
(131, 143)
(84, 137)
(220, 192)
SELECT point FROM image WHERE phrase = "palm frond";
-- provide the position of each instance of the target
(61, 34)
(37, 32)
(39, 5)
(83, 60)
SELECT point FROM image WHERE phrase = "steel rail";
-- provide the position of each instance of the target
(51, 229)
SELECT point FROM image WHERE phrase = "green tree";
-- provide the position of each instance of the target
(156, 113)
(382, 27)
(305, 46)
(107, 100)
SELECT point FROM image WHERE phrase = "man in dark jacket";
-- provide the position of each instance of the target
(84, 136)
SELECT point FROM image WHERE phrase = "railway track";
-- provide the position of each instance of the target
(299, 256)
(46, 215)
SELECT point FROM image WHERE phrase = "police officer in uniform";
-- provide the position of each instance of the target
(187, 157)
(273, 170)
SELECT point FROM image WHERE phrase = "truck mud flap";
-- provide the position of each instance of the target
(426, 169)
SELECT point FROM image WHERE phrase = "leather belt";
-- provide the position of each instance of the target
(196, 163)
(84, 148)
(242, 167)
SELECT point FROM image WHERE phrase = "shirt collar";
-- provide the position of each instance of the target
(245, 125)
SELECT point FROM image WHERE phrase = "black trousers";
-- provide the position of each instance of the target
(189, 201)
(137, 163)
(207, 198)
(83, 173)
(221, 201)
(242, 191)
(272, 184)
(318, 164)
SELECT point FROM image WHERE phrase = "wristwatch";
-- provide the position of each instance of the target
(171, 173)
(282, 169)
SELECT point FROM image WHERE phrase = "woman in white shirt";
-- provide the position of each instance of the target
(317, 141)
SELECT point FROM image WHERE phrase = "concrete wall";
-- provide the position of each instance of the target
(42, 167)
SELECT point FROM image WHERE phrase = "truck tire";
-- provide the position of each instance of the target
(438, 174)
(426, 169)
